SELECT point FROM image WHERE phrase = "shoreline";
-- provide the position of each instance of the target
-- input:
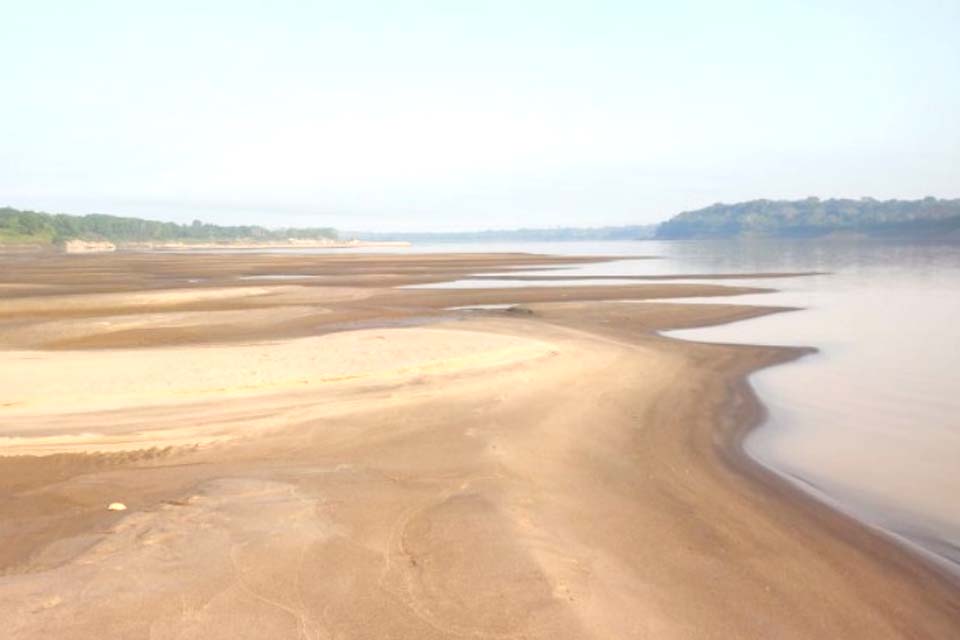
(884, 545)
(399, 495)
(78, 246)
(254, 246)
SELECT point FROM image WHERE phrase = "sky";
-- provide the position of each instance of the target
(455, 115)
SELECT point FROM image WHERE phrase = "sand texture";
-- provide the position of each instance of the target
(337, 457)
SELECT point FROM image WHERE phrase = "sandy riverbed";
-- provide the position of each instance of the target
(347, 459)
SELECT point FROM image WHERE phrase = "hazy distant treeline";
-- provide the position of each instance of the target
(558, 234)
(32, 227)
(815, 217)
(811, 217)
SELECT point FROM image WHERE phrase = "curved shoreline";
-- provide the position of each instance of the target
(823, 508)
(884, 546)
(599, 489)
(748, 413)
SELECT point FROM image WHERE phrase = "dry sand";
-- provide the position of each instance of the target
(342, 459)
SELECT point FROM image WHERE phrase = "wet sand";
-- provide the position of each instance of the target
(336, 457)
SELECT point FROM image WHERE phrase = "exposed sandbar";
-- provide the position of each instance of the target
(559, 472)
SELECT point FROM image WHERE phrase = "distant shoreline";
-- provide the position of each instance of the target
(289, 244)
(102, 246)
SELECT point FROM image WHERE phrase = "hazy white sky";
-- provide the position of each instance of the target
(464, 115)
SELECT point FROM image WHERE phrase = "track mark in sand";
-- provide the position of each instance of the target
(442, 544)
(243, 538)
(305, 628)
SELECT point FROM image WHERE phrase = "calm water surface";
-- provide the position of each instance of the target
(871, 423)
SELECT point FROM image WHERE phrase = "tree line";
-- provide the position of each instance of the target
(34, 227)
(816, 217)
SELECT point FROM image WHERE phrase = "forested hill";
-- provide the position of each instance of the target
(32, 227)
(815, 217)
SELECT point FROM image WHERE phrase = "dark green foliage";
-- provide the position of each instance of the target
(43, 228)
(815, 217)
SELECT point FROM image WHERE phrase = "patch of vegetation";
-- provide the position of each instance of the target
(33, 227)
(814, 217)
